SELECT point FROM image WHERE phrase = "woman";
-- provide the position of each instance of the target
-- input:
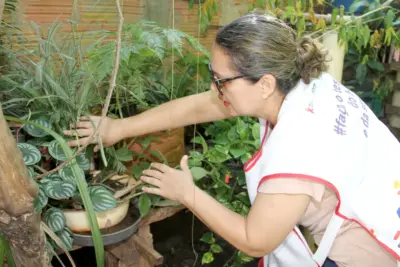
(310, 125)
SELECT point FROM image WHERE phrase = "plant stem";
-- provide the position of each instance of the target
(108, 98)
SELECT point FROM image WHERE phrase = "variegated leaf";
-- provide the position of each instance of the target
(55, 219)
(66, 237)
(56, 151)
(67, 174)
(60, 189)
(30, 154)
(36, 132)
(83, 162)
(31, 172)
(40, 200)
(50, 178)
(102, 198)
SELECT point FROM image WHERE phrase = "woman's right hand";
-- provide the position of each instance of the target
(108, 132)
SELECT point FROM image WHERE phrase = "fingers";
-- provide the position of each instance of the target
(153, 173)
(79, 142)
(150, 180)
(184, 164)
(161, 167)
(79, 132)
(153, 190)
(83, 124)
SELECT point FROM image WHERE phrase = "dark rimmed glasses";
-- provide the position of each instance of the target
(219, 82)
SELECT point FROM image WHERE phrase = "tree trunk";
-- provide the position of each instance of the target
(18, 220)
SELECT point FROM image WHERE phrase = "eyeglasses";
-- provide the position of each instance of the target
(219, 82)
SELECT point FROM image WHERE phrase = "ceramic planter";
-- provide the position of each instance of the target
(336, 55)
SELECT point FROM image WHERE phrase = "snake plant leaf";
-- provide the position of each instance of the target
(67, 173)
(55, 219)
(102, 198)
(56, 151)
(41, 199)
(83, 162)
(66, 237)
(60, 189)
(30, 154)
(36, 132)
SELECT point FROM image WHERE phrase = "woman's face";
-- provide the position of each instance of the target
(239, 95)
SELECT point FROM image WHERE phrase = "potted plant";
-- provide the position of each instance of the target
(157, 65)
(54, 87)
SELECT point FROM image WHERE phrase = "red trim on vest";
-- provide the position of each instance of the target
(253, 160)
(261, 263)
(320, 180)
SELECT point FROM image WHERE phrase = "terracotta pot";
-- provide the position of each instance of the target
(171, 144)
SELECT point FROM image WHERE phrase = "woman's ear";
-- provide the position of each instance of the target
(268, 85)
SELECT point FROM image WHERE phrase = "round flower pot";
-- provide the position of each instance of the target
(78, 222)
(336, 55)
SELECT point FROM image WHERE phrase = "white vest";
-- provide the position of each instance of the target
(326, 133)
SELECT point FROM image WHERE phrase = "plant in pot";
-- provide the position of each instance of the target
(217, 167)
(47, 87)
(157, 65)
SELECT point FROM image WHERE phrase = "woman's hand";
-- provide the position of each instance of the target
(170, 183)
(109, 131)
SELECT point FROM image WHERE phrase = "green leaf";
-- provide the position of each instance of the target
(200, 140)
(66, 237)
(244, 257)
(124, 154)
(361, 73)
(237, 152)
(389, 19)
(30, 154)
(356, 5)
(67, 173)
(50, 178)
(146, 142)
(59, 189)
(55, 219)
(56, 151)
(215, 248)
(102, 198)
(36, 131)
(208, 257)
(208, 238)
(83, 162)
(255, 130)
(335, 13)
(40, 200)
(198, 173)
(144, 204)
(244, 198)
(31, 172)
(137, 171)
(375, 65)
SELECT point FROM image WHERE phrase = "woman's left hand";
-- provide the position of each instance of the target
(169, 183)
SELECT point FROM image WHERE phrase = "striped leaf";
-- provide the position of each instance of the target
(83, 162)
(41, 199)
(66, 237)
(55, 219)
(31, 172)
(30, 154)
(67, 174)
(60, 189)
(36, 132)
(50, 178)
(102, 198)
(56, 151)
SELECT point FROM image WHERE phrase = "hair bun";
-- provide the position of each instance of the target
(310, 59)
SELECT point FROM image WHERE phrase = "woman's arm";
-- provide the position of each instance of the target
(199, 108)
(193, 109)
(271, 218)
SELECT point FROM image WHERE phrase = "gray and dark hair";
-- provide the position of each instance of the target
(259, 44)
